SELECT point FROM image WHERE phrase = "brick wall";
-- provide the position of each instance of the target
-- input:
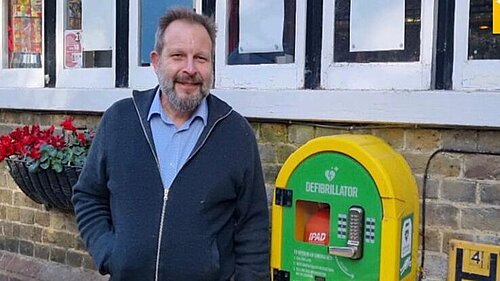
(462, 189)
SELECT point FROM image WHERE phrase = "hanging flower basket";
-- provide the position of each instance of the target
(44, 164)
(46, 187)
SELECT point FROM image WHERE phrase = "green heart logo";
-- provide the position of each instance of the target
(331, 173)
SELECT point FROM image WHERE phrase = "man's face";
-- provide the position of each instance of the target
(184, 67)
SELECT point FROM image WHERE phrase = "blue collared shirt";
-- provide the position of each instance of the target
(173, 145)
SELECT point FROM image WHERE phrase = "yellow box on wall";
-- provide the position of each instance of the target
(473, 261)
(345, 207)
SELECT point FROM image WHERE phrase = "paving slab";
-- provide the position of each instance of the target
(16, 267)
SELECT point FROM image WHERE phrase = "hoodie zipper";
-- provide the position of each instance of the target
(165, 193)
(160, 235)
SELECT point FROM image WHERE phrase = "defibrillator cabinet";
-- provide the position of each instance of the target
(345, 208)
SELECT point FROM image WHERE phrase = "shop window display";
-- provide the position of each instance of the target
(24, 33)
(77, 53)
(72, 35)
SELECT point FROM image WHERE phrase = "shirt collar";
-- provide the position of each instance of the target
(201, 111)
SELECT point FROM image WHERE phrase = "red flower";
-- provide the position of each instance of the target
(68, 124)
(35, 130)
(6, 148)
(19, 149)
(35, 153)
(34, 145)
(82, 139)
(50, 131)
(16, 134)
(5, 141)
(57, 141)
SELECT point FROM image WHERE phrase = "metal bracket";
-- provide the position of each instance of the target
(280, 275)
(283, 197)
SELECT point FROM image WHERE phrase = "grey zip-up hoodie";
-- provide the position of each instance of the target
(211, 225)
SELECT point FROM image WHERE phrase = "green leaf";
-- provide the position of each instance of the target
(53, 152)
(45, 165)
(48, 150)
(79, 161)
(44, 157)
(78, 150)
(57, 167)
(61, 155)
(45, 150)
(45, 147)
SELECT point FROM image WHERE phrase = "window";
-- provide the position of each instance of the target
(24, 29)
(85, 49)
(477, 45)
(21, 22)
(484, 44)
(383, 44)
(144, 17)
(263, 44)
(270, 51)
(407, 49)
(80, 49)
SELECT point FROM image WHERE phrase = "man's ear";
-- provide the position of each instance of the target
(155, 60)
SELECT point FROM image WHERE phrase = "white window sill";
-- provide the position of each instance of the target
(450, 108)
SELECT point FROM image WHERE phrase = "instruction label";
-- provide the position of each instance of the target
(306, 264)
(406, 245)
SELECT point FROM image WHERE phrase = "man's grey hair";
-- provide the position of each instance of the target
(187, 15)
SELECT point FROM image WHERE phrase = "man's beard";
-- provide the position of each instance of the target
(189, 103)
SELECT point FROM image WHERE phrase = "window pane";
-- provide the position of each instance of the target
(411, 51)
(72, 35)
(237, 55)
(89, 46)
(24, 34)
(151, 10)
(483, 43)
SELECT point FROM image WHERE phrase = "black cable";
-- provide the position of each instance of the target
(424, 184)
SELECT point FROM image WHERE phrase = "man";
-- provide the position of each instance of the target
(173, 188)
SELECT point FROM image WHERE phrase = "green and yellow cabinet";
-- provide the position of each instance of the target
(345, 208)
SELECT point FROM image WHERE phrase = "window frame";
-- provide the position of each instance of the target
(378, 76)
(270, 76)
(20, 77)
(101, 77)
(470, 74)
